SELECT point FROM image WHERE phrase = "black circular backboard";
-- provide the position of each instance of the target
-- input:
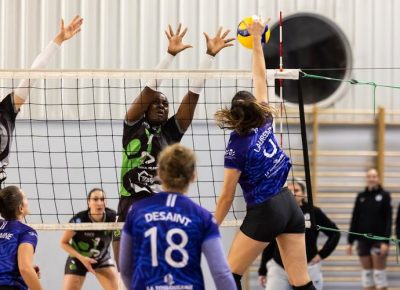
(316, 45)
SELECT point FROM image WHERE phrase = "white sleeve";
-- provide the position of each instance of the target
(41, 61)
(197, 85)
(164, 63)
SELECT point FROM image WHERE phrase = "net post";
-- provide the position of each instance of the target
(305, 153)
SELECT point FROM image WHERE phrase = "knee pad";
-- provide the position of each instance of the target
(380, 278)
(367, 278)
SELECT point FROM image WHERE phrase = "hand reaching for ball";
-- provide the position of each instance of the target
(176, 45)
(220, 41)
(257, 27)
(253, 26)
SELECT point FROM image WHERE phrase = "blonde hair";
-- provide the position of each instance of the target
(176, 166)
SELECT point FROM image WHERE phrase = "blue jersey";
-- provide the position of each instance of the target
(263, 164)
(167, 233)
(12, 234)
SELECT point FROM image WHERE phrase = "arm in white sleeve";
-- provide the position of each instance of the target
(165, 63)
(197, 85)
(218, 265)
(41, 61)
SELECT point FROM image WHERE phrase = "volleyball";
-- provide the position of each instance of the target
(245, 38)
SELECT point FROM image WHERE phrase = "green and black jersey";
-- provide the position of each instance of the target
(93, 244)
(141, 145)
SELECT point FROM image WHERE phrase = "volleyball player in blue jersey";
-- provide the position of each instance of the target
(17, 243)
(164, 235)
(11, 104)
(254, 159)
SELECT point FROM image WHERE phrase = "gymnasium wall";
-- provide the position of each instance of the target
(126, 34)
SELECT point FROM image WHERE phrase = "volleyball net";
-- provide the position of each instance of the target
(68, 136)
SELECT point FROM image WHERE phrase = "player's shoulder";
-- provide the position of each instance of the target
(148, 203)
(194, 208)
(24, 228)
(80, 217)
(238, 143)
(384, 192)
(110, 215)
(319, 213)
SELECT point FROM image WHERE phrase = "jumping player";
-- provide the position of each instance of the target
(254, 160)
(164, 235)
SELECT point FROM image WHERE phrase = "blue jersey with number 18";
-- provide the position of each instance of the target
(167, 233)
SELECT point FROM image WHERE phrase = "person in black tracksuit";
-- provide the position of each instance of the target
(372, 214)
(277, 277)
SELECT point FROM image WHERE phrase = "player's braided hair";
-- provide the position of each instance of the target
(11, 199)
(245, 114)
(176, 166)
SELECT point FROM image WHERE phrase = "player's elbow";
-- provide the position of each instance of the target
(63, 244)
(26, 270)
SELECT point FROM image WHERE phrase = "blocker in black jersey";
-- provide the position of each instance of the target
(93, 244)
(8, 114)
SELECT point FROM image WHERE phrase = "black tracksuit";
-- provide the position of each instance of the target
(372, 214)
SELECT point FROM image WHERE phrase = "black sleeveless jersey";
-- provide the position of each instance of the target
(93, 244)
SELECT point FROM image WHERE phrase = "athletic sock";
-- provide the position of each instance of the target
(308, 286)
(237, 281)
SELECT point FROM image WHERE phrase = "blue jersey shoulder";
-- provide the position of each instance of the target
(168, 231)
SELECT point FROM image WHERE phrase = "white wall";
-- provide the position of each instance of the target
(129, 34)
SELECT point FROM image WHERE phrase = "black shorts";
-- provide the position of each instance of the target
(74, 267)
(368, 247)
(124, 204)
(280, 214)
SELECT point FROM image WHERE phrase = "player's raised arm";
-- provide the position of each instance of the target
(256, 29)
(42, 60)
(150, 94)
(185, 112)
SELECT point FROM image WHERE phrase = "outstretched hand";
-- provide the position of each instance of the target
(214, 45)
(176, 45)
(67, 32)
(256, 28)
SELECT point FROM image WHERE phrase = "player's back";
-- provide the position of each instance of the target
(167, 232)
(12, 234)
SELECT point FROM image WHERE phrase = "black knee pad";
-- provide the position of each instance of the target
(308, 286)
(237, 281)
